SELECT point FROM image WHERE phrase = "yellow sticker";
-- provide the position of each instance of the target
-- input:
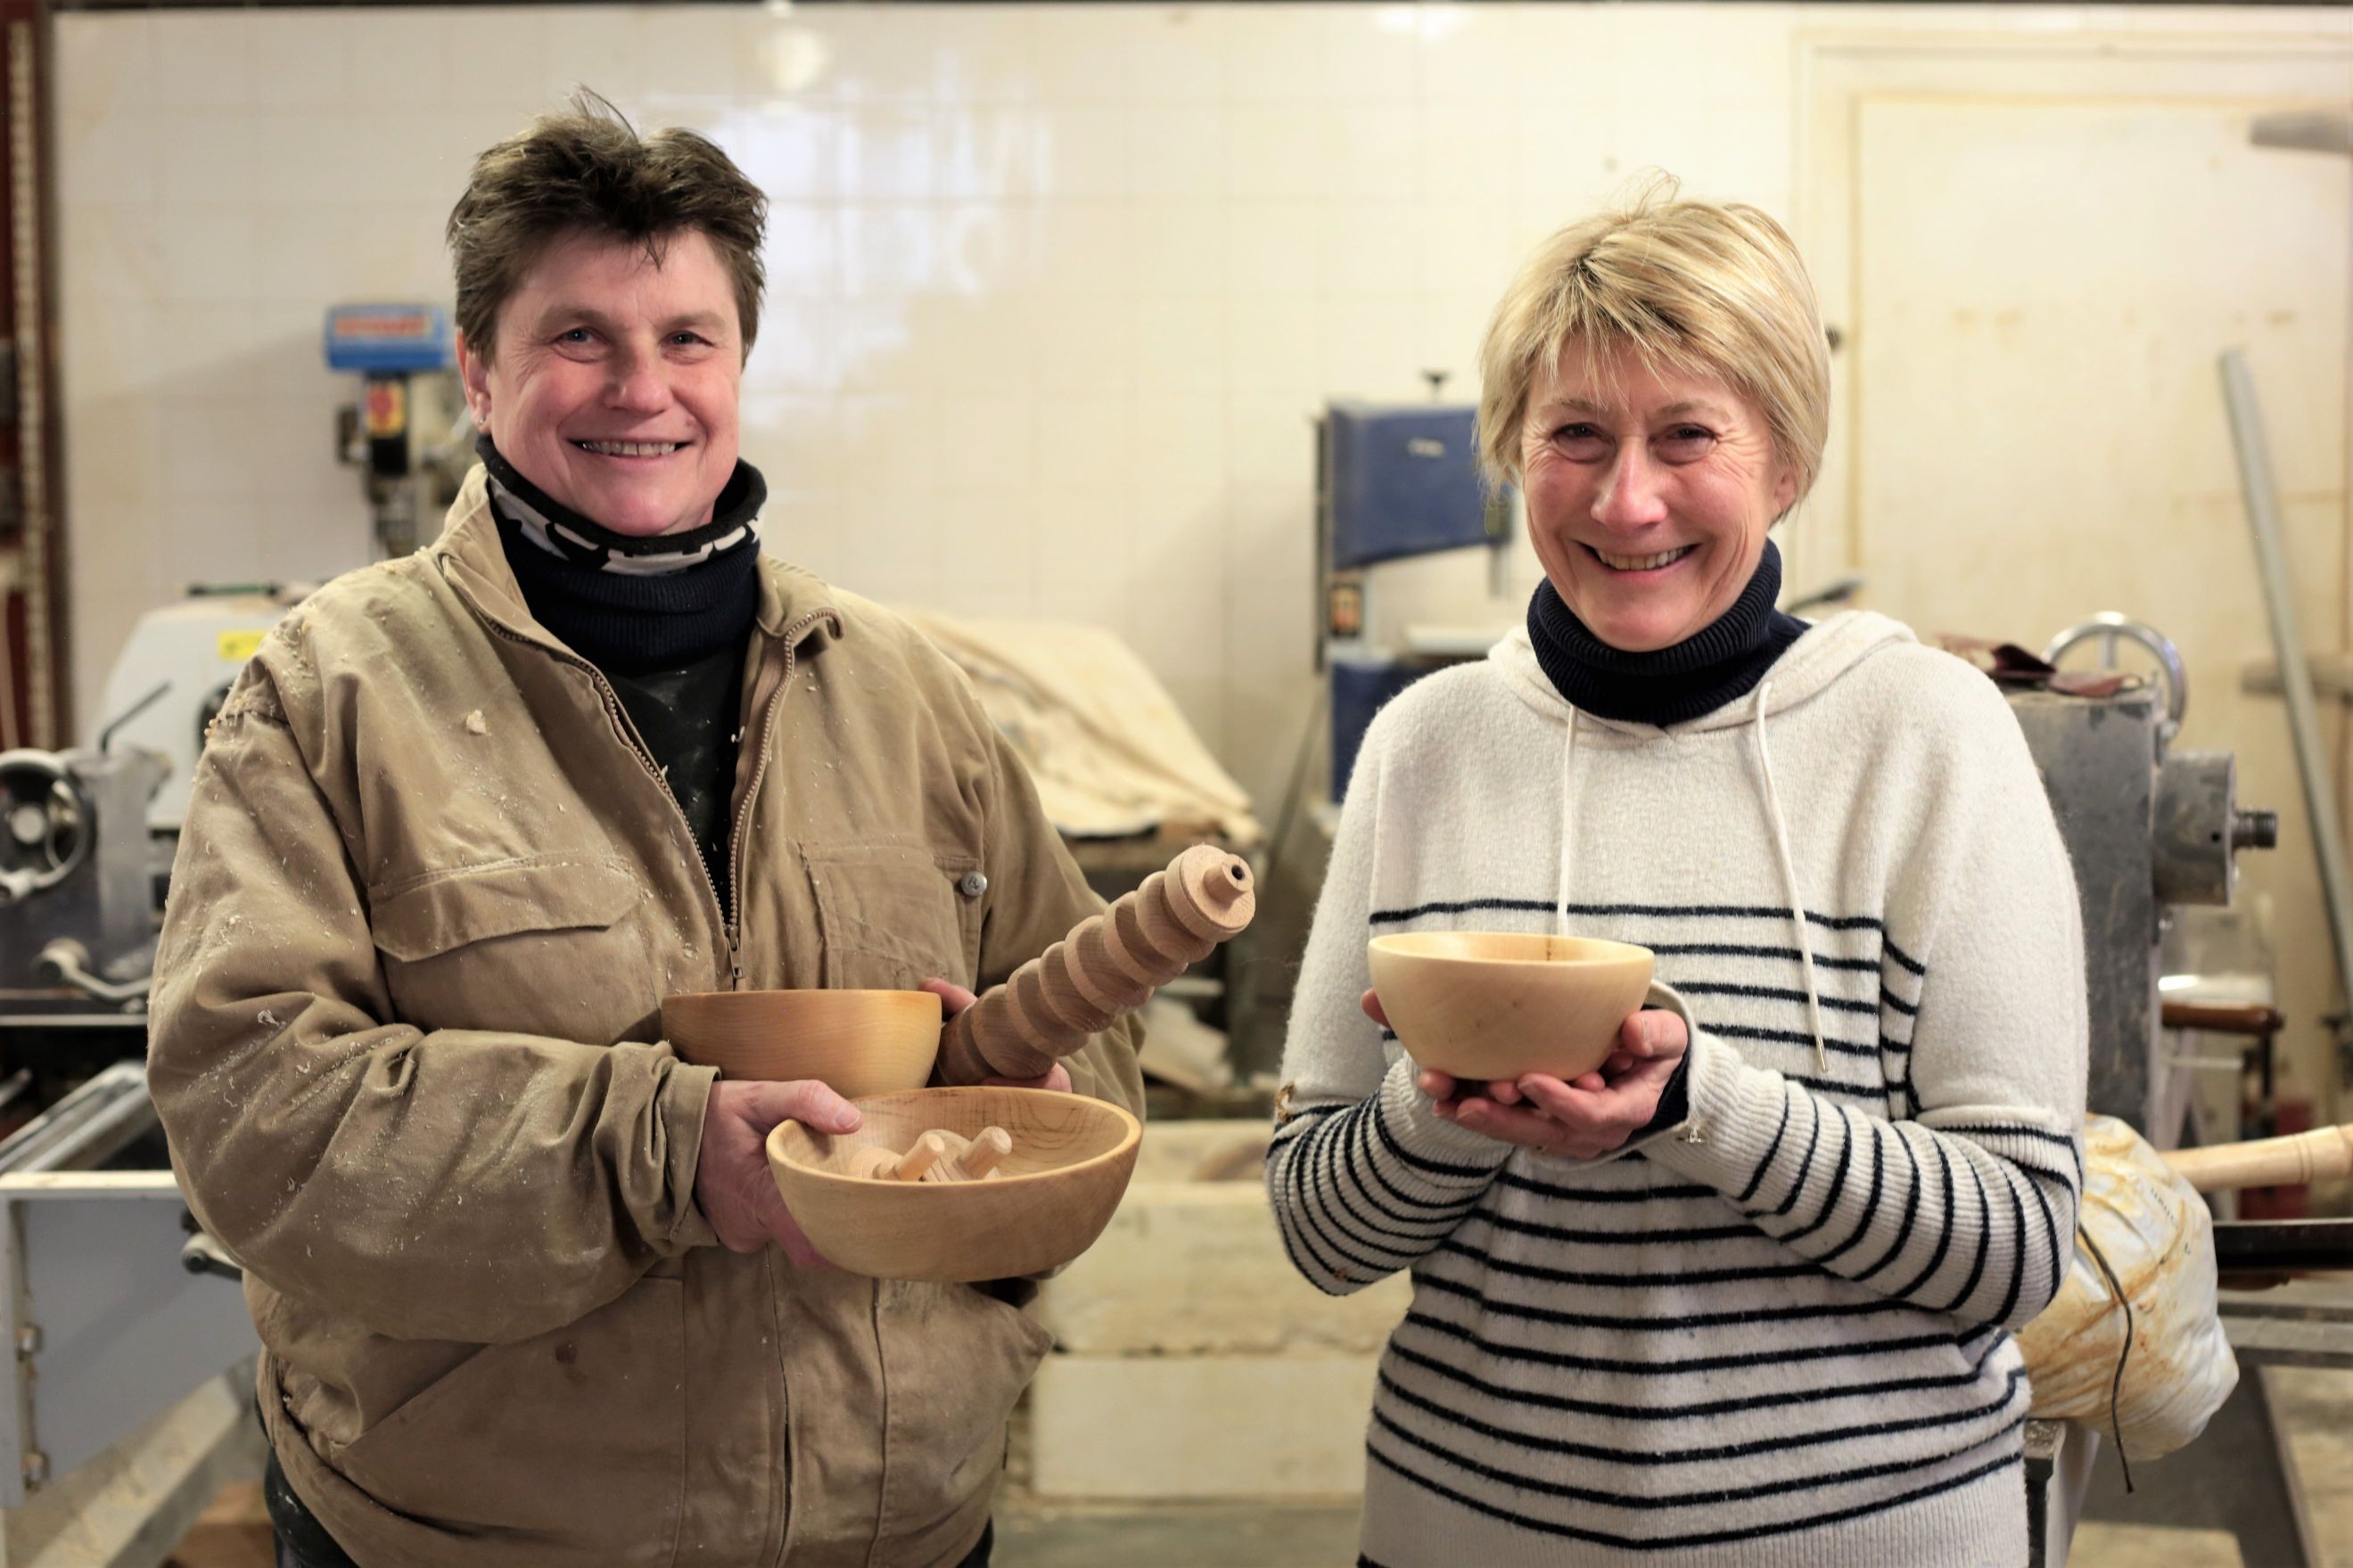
(238, 647)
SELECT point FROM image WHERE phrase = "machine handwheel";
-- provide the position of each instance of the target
(44, 822)
(2108, 627)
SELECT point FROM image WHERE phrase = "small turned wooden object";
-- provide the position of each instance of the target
(1108, 966)
(2324, 1154)
(938, 1155)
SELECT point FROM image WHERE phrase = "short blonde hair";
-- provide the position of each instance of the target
(1697, 287)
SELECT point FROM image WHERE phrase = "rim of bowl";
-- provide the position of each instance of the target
(714, 997)
(1621, 951)
(1130, 1135)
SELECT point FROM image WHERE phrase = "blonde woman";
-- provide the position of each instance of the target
(1745, 1293)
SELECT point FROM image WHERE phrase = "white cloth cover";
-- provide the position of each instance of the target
(2158, 1237)
(1111, 753)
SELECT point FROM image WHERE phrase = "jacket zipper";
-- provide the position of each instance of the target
(729, 915)
(731, 921)
(740, 832)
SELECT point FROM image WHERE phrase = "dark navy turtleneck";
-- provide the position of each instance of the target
(1722, 661)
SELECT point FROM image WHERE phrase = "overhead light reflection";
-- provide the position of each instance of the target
(791, 59)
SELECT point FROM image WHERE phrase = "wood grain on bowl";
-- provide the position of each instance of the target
(854, 1042)
(1045, 1202)
(1485, 1005)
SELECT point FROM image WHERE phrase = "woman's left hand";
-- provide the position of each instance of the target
(955, 999)
(1588, 1116)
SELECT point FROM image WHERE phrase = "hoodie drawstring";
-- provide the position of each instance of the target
(1568, 825)
(1789, 880)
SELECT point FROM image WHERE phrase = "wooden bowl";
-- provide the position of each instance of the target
(1485, 1005)
(854, 1042)
(1071, 1161)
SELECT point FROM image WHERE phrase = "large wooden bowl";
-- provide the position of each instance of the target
(1071, 1161)
(1485, 1005)
(854, 1042)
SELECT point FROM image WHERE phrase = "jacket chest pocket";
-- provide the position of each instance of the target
(891, 916)
(539, 944)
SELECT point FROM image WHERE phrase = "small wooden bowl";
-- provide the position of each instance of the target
(1071, 1161)
(1484, 1005)
(854, 1042)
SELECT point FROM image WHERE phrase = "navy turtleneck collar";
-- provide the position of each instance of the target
(632, 605)
(1722, 661)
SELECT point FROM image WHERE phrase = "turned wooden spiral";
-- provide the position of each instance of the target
(1107, 967)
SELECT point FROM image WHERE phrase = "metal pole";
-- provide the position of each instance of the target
(25, 126)
(2296, 678)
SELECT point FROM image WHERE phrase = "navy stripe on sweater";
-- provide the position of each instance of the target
(1649, 1501)
(1662, 911)
(1773, 993)
(1870, 1208)
(1703, 1538)
(1346, 1246)
(1734, 950)
(1657, 911)
(1516, 1395)
(1646, 1457)
(1690, 1367)
(1427, 1275)
(1603, 1279)
(1704, 1409)
(1673, 1193)
(1830, 1043)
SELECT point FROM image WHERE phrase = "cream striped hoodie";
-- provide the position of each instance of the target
(1777, 1332)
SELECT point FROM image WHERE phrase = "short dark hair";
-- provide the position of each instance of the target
(588, 171)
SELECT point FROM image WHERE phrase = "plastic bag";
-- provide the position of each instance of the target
(2154, 1231)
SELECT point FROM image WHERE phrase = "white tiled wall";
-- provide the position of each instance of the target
(1055, 289)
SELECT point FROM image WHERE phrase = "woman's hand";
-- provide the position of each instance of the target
(1581, 1120)
(732, 1186)
(955, 999)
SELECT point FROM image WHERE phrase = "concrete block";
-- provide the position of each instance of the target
(1200, 1427)
(1190, 1267)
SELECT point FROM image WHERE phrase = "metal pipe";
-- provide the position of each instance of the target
(2264, 1245)
(69, 960)
(25, 129)
(2295, 678)
(128, 714)
(88, 1127)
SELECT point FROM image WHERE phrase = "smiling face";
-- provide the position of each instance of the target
(615, 382)
(1649, 492)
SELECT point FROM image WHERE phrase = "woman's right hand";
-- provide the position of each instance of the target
(1504, 1110)
(732, 1186)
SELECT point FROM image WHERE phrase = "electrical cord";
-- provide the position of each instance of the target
(2116, 1385)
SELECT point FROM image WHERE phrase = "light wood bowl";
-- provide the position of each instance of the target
(853, 1042)
(1071, 1161)
(1484, 1005)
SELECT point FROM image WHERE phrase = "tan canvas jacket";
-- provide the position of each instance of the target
(406, 1043)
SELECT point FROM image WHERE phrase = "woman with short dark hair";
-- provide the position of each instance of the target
(527, 1294)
